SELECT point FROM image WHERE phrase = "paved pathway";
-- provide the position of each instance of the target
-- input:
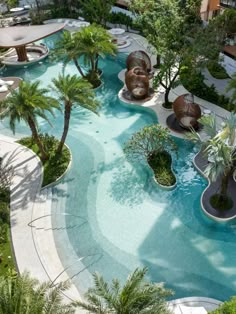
(220, 85)
(31, 231)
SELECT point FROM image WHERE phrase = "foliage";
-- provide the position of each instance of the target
(217, 70)
(72, 90)
(149, 141)
(136, 296)
(232, 87)
(173, 29)
(161, 165)
(228, 307)
(6, 261)
(90, 43)
(22, 294)
(56, 164)
(221, 155)
(193, 81)
(96, 11)
(121, 19)
(27, 103)
(225, 23)
(6, 174)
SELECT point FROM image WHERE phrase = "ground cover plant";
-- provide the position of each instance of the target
(56, 164)
(220, 153)
(153, 144)
(6, 256)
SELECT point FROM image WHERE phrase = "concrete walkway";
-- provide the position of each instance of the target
(220, 85)
(31, 231)
(208, 304)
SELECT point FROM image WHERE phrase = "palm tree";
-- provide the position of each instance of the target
(91, 42)
(136, 296)
(94, 41)
(27, 103)
(73, 90)
(66, 48)
(220, 149)
(24, 295)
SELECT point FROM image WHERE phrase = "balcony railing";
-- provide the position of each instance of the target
(228, 3)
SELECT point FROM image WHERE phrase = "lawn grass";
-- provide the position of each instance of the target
(56, 165)
(161, 165)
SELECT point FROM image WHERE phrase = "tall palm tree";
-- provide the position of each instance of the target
(24, 295)
(73, 90)
(27, 103)
(135, 297)
(66, 48)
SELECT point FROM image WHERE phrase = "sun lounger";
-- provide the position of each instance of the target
(192, 310)
(8, 83)
(3, 89)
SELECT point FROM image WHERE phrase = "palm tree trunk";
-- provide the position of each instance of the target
(35, 135)
(96, 62)
(224, 185)
(67, 113)
(93, 64)
(78, 67)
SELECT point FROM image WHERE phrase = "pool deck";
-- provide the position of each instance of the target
(32, 237)
(208, 303)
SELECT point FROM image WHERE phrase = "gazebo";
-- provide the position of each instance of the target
(19, 37)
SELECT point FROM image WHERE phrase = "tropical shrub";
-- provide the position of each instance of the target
(56, 164)
(228, 307)
(136, 296)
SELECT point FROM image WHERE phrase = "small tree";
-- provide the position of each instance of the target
(148, 142)
(136, 296)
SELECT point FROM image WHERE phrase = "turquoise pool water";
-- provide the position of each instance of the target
(110, 216)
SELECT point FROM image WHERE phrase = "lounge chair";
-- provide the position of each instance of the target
(192, 309)
(8, 83)
(3, 89)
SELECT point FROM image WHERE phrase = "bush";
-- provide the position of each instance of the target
(56, 165)
(161, 164)
(121, 19)
(3, 233)
(217, 71)
(193, 81)
(4, 213)
(228, 307)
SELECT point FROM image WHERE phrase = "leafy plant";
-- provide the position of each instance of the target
(55, 165)
(217, 70)
(228, 307)
(136, 296)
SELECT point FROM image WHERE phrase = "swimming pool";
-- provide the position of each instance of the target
(115, 217)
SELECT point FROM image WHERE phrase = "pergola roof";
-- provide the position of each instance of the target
(22, 35)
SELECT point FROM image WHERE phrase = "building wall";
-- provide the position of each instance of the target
(209, 8)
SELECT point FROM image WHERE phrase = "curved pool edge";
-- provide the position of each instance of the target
(28, 205)
(218, 219)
